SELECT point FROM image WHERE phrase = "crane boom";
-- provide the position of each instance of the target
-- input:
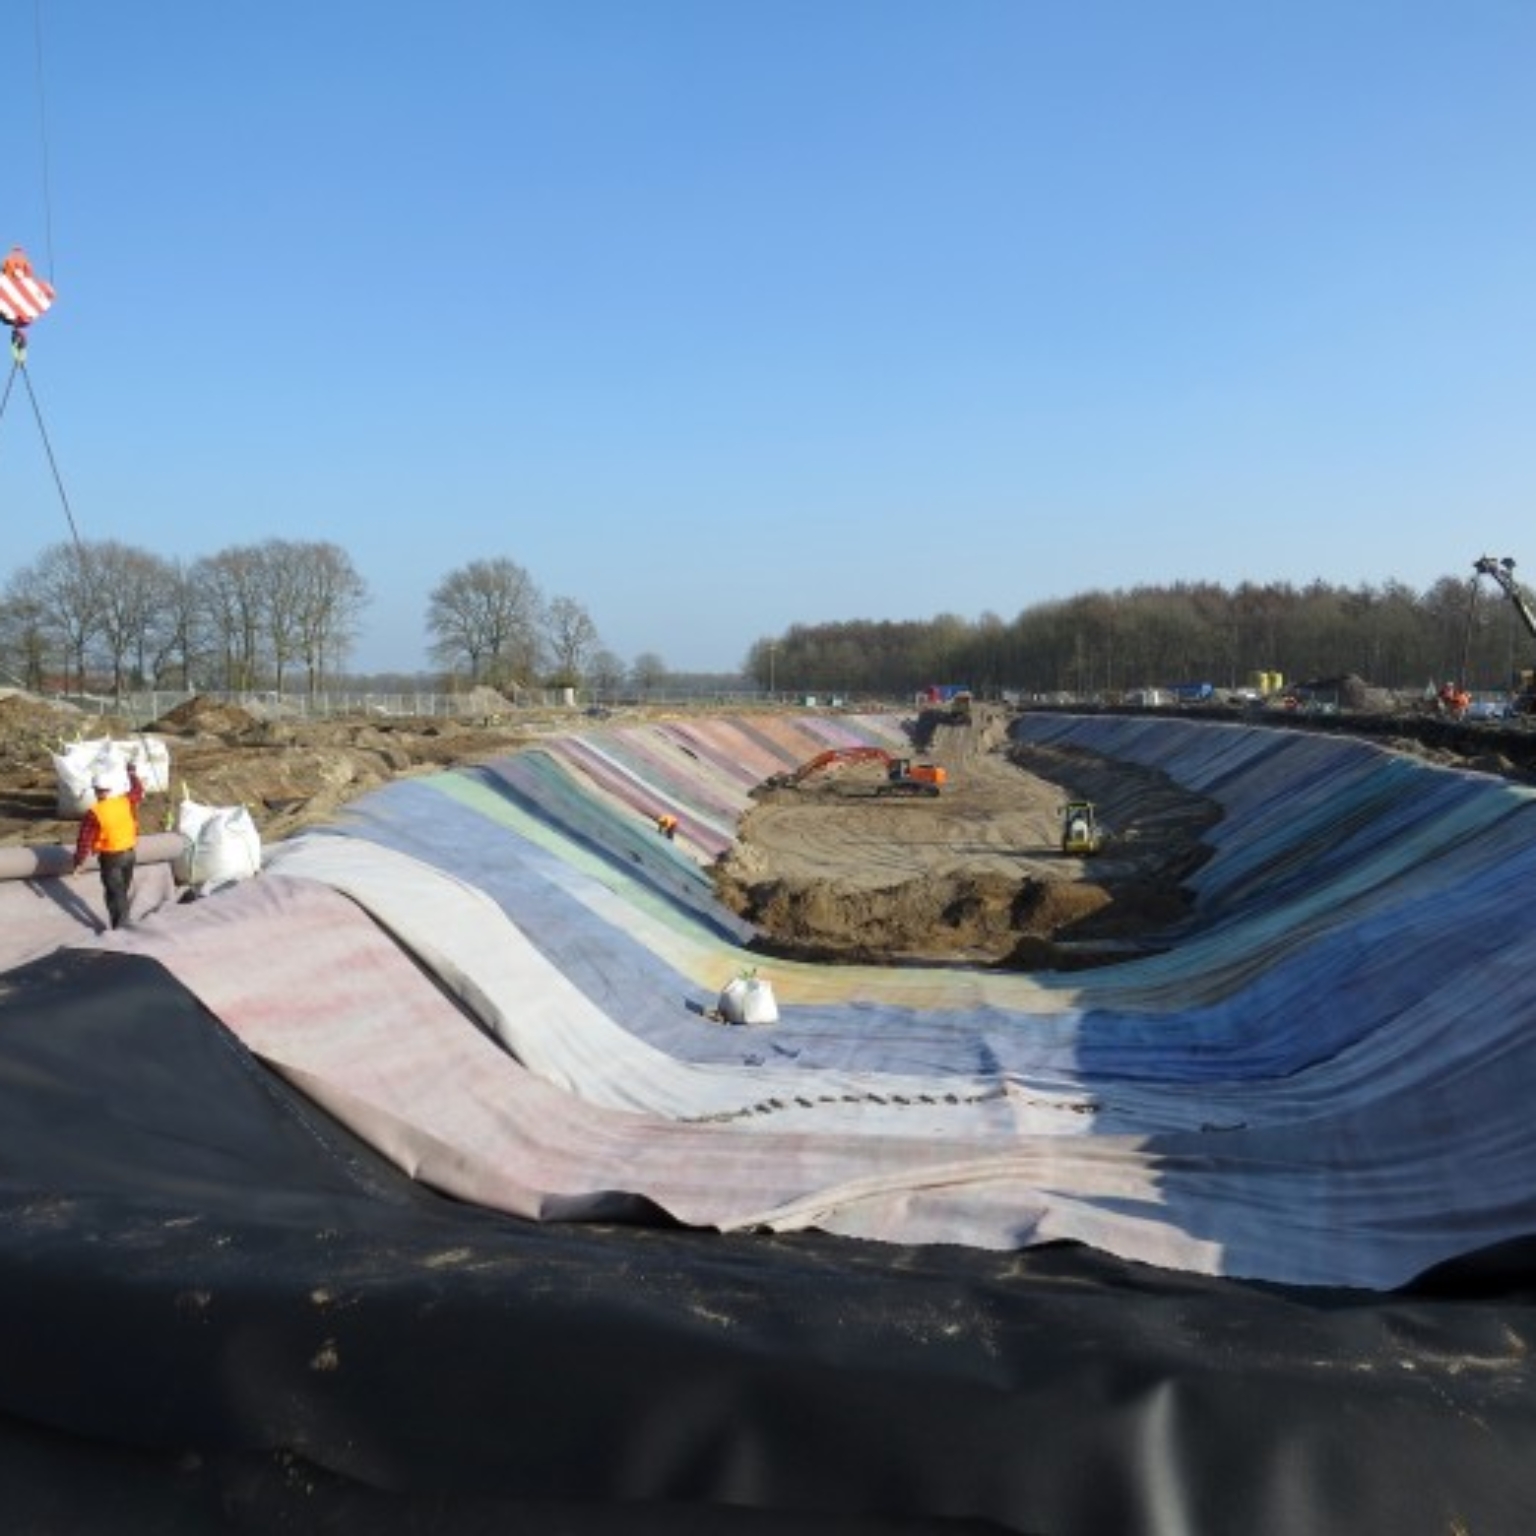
(1503, 572)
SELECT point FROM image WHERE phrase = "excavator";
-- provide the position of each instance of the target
(902, 775)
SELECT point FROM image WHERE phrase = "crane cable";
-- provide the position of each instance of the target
(42, 134)
(19, 367)
(18, 336)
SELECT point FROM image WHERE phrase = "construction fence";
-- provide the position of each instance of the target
(477, 705)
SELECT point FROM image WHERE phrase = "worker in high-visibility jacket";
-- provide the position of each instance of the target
(110, 830)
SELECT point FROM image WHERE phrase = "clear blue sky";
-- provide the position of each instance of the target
(720, 315)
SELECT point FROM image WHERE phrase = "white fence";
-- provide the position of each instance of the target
(143, 708)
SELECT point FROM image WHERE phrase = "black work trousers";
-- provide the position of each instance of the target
(117, 883)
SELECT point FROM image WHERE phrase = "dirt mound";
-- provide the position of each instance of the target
(1047, 908)
(287, 771)
(207, 717)
(916, 919)
(955, 740)
(26, 721)
(1029, 924)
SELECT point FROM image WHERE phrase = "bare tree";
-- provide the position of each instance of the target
(573, 638)
(26, 638)
(176, 642)
(157, 639)
(63, 579)
(606, 673)
(649, 671)
(134, 586)
(331, 597)
(487, 614)
(231, 589)
(280, 576)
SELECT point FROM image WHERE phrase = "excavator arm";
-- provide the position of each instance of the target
(902, 776)
(837, 757)
(833, 757)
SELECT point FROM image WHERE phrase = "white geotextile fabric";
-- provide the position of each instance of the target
(1325, 1079)
(39, 916)
(470, 945)
(359, 1028)
(365, 1033)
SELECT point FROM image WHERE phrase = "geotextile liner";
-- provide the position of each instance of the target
(564, 1261)
(233, 1313)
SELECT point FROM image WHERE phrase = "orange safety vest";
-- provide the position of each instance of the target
(117, 825)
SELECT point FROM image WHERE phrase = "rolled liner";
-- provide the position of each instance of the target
(31, 863)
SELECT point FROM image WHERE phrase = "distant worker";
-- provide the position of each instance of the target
(666, 824)
(110, 830)
(1454, 701)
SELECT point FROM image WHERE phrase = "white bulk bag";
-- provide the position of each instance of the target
(219, 845)
(748, 1000)
(105, 760)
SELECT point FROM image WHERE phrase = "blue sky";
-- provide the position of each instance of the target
(722, 315)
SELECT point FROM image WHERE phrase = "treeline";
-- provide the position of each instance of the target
(102, 613)
(1105, 643)
(281, 614)
(286, 613)
(489, 619)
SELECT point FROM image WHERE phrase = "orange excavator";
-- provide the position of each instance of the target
(902, 775)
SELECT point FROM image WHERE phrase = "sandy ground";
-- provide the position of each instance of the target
(829, 871)
(832, 871)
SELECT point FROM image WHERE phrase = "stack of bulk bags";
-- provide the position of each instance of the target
(105, 761)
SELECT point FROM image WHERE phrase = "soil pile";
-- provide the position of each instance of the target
(288, 772)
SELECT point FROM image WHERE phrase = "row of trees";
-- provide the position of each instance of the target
(490, 619)
(265, 615)
(93, 614)
(1102, 643)
(250, 616)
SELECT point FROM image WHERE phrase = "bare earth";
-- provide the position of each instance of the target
(829, 871)
(289, 774)
(826, 872)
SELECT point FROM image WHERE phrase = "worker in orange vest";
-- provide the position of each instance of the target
(666, 824)
(110, 830)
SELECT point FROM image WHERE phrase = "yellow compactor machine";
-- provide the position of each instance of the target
(1080, 831)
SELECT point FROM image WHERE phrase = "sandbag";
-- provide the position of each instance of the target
(105, 760)
(220, 845)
